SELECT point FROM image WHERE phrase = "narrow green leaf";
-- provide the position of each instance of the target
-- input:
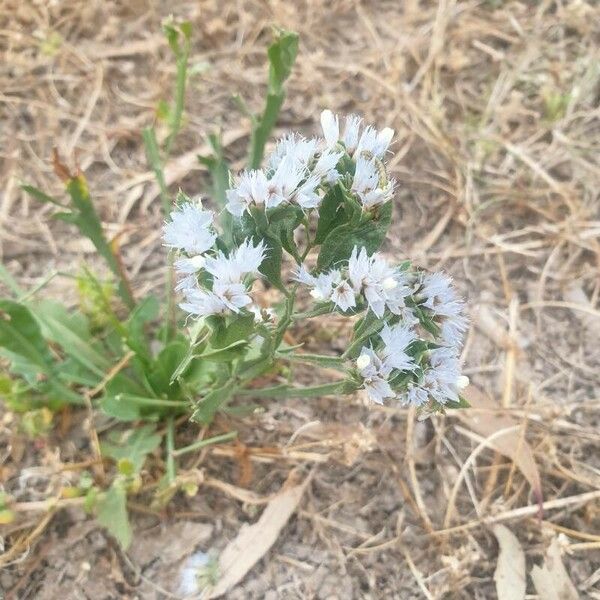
(41, 196)
(210, 404)
(70, 332)
(21, 336)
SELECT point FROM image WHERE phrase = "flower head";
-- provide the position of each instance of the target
(190, 229)
(370, 140)
(252, 190)
(367, 183)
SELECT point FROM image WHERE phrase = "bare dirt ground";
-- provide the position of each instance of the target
(496, 109)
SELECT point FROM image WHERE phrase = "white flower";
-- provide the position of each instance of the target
(302, 275)
(330, 124)
(252, 189)
(331, 128)
(371, 141)
(366, 183)
(188, 267)
(374, 374)
(416, 396)
(248, 257)
(285, 181)
(233, 295)
(306, 195)
(438, 292)
(190, 229)
(325, 166)
(243, 260)
(343, 295)
(453, 330)
(378, 389)
(396, 340)
(323, 285)
(441, 382)
(295, 148)
(202, 302)
(351, 133)
(375, 142)
(382, 285)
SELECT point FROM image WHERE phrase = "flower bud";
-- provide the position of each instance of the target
(462, 382)
(363, 361)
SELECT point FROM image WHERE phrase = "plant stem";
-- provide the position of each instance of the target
(143, 401)
(224, 437)
(170, 470)
(289, 391)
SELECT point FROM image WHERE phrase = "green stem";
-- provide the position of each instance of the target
(170, 470)
(336, 362)
(224, 437)
(144, 401)
(289, 391)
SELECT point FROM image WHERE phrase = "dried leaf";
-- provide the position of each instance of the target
(509, 444)
(551, 580)
(254, 541)
(509, 575)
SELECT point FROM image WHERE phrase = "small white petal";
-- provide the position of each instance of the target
(331, 128)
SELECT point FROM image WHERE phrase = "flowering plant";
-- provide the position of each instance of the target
(328, 199)
(308, 225)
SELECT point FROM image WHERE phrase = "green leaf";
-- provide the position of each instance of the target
(331, 213)
(210, 404)
(283, 221)
(226, 354)
(112, 513)
(145, 312)
(41, 196)
(133, 445)
(21, 337)
(166, 363)
(370, 234)
(271, 265)
(226, 332)
(70, 331)
(282, 55)
(116, 407)
(87, 221)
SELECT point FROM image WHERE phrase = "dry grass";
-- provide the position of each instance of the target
(496, 108)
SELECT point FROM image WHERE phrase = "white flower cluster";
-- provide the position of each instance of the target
(227, 285)
(368, 277)
(301, 170)
(438, 377)
(377, 368)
